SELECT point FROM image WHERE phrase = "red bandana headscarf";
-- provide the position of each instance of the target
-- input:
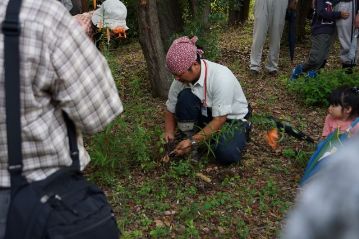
(182, 54)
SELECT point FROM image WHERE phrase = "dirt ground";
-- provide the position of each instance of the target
(255, 194)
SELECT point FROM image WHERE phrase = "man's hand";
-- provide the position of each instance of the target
(170, 126)
(344, 15)
(169, 137)
(183, 147)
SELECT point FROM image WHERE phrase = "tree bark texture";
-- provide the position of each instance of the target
(303, 13)
(200, 11)
(153, 48)
(237, 14)
(170, 19)
(244, 13)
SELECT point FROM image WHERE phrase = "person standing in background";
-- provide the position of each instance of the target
(348, 33)
(269, 18)
(323, 32)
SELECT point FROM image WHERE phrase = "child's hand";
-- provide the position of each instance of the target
(344, 15)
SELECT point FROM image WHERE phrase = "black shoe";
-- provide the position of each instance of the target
(253, 72)
(348, 68)
(273, 73)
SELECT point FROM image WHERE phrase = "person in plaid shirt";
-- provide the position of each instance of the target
(60, 70)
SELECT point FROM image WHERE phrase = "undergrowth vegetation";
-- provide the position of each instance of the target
(153, 199)
(127, 142)
(315, 91)
(185, 199)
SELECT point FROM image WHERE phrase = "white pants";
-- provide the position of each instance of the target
(346, 33)
(269, 17)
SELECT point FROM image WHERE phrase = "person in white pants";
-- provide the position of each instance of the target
(269, 18)
(347, 34)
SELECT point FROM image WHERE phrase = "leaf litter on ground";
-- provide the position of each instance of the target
(245, 200)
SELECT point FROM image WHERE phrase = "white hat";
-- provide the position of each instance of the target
(112, 14)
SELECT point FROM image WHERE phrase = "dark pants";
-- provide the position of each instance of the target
(229, 143)
(4, 206)
(319, 52)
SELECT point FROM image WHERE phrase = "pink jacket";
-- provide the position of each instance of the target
(332, 124)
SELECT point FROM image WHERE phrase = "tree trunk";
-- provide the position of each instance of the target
(170, 20)
(238, 11)
(84, 5)
(153, 48)
(244, 13)
(304, 9)
(200, 12)
(233, 16)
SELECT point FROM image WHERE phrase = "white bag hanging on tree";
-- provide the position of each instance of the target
(111, 14)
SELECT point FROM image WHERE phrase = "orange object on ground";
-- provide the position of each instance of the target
(272, 138)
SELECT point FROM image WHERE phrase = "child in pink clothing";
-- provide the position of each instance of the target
(343, 110)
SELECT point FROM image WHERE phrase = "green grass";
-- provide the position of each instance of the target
(153, 199)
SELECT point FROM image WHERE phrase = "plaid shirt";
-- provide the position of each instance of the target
(60, 69)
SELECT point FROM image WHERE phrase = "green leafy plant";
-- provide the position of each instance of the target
(114, 149)
(159, 232)
(180, 169)
(242, 229)
(300, 157)
(315, 91)
(191, 231)
(227, 133)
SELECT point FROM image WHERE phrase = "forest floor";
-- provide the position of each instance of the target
(154, 199)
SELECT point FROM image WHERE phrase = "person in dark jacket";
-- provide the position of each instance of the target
(323, 30)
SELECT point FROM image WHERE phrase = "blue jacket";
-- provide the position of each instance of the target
(324, 17)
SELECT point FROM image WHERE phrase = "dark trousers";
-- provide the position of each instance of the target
(229, 143)
(4, 206)
(319, 52)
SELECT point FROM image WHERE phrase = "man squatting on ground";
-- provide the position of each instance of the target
(203, 98)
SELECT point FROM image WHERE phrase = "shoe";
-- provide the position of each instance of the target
(296, 72)
(253, 72)
(312, 74)
(348, 68)
(273, 73)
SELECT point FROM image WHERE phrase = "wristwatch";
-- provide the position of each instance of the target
(193, 142)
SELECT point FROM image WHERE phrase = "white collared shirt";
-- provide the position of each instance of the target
(224, 92)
